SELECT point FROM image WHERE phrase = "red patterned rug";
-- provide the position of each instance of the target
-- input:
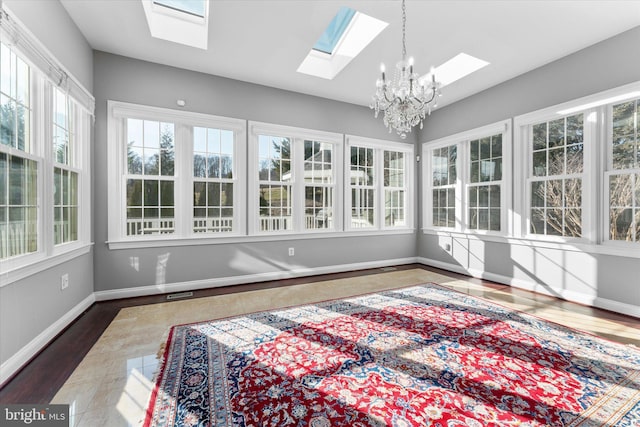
(420, 356)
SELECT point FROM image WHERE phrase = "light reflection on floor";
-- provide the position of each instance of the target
(113, 383)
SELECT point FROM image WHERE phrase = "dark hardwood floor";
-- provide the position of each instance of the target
(41, 378)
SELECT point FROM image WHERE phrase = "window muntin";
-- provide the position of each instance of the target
(18, 167)
(623, 178)
(319, 185)
(65, 206)
(173, 175)
(191, 7)
(295, 175)
(362, 178)
(150, 207)
(18, 206)
(394, 189)
(555, 177)
(275, 180)
(15, 101)
(65, 172)
(444, 177)
(213, 182)
(484, 187)
(378, 185)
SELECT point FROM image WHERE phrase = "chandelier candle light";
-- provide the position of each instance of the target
(405, 100)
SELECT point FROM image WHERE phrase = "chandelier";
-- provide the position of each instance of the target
(405, 100)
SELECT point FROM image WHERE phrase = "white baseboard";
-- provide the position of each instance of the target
(15, 362)
(590, 300)
(247, 278)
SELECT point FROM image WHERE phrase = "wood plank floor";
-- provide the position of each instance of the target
(43, 377)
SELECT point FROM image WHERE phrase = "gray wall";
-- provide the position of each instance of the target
(124, 79)
(609, 64)
(52, 25)
(29, 306)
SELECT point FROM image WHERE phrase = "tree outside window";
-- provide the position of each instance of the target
(557, 158)
(624, 176)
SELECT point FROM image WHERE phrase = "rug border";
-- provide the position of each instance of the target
(169, 341)
(158, 380)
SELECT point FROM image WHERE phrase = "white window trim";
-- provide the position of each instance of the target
(522, 126)
(81, 153)
(622, 94)
(379, 146)
(297, 136)
(49, 255)
(117, 113)
(462, 140)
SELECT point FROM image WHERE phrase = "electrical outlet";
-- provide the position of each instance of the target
(64, 281)
(292, 251)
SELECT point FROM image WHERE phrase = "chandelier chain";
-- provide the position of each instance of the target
(405, 99)
(404, 32)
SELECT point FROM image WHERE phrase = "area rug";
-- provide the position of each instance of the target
(419, 356)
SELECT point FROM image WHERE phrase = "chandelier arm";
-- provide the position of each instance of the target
(390, 101)
(404, 102)
(433, 95)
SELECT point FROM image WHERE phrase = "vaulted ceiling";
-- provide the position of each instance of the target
(264, 41)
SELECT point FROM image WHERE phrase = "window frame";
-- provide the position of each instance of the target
(184, 122)
(462, 141)
(608, 170)
(379, 146)
(42, 88)
(523, 136)
(297, 137)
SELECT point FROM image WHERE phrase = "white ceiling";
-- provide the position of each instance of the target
(264, 41)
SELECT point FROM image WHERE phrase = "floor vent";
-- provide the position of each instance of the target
(180, 295)
(388, 269)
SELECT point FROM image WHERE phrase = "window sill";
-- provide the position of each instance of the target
(592, 248)
(22, 267)
(208, 240)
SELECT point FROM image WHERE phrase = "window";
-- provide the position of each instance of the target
(150, 177)
(65, 171)
(394, 189)
(485, 183)
(44, 133)
(348, 33)
(18, 165)
(193, 7)
(363, 193)
(213, 180)
(296, 174)
(319, 185)
(275, 180)
(466, 189)
(379, 185)
(180, 175)
(555, 176)
(444, 177)
(622, 180)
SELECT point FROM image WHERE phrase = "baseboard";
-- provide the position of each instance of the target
(24, 355)
(577, 297)
(247, 278)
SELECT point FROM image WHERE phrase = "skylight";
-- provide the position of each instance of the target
(338, 25)
(348, 33)
(192, 7)
(456, 68)
(179, 21)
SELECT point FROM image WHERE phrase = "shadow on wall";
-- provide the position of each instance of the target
(166, 269)
(560, 273)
